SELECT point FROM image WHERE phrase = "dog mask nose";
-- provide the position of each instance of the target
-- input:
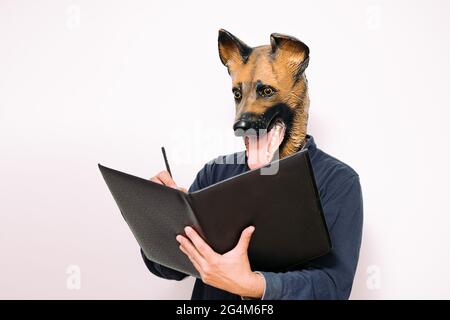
(248, 124)
(241, 126)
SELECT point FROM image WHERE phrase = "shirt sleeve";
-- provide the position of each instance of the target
(331, 276)
(160, 270)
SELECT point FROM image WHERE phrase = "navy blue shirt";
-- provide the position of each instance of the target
(328, 277)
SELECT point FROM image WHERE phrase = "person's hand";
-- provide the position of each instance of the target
(231, 271)
(164, 178)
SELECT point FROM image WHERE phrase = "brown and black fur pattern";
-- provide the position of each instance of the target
(269, 84)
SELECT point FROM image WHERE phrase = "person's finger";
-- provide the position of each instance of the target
(190, 249)
(196, 265)
(183, 189)
(245, 238)
(202, 247)
(166, 179)
(155, 179)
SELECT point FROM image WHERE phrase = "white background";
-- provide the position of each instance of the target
(83, 82)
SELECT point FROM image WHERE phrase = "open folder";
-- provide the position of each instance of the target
(284, 207)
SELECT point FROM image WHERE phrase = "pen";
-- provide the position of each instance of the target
(165, 160)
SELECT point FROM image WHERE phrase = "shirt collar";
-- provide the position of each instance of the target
(310, 144)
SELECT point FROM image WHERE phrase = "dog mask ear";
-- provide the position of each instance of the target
(292, 51)
(232, 51)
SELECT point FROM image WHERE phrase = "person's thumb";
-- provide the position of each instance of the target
(245, 238)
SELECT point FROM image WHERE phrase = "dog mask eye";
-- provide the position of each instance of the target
(266, 91)
(237, 94)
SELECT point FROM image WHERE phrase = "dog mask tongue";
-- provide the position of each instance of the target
(260, 150)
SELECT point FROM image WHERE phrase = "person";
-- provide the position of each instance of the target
(229, 276)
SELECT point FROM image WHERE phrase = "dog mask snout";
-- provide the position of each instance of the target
(249, 124)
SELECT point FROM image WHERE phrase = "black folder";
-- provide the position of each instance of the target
(285, 209)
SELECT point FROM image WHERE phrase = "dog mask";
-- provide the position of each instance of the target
(270, 93)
